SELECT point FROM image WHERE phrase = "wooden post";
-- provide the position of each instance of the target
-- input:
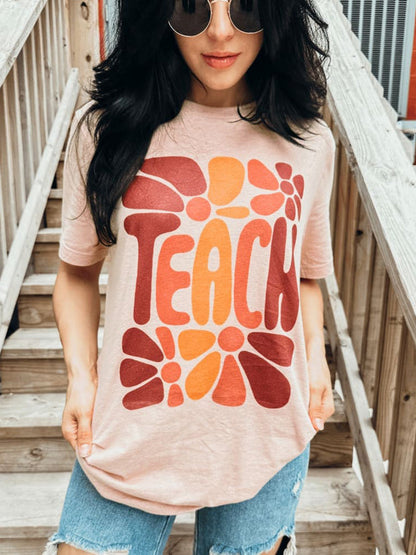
(84, 41)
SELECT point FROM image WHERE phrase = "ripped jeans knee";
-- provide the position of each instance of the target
(51, 547)
(259, 549)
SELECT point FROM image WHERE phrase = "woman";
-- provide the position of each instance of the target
(207, 184)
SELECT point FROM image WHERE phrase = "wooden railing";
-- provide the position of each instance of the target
(370, 302)
(38, 91)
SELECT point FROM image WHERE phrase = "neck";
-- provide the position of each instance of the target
(239, 94)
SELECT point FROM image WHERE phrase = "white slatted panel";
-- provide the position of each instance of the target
(385, 29)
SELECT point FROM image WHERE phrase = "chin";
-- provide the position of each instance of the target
(220, 82)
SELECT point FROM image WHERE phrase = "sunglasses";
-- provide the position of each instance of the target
(192, 17)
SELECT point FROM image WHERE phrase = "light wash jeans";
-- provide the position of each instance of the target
(101, 526)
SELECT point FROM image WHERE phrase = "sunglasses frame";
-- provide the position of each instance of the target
(210, 19)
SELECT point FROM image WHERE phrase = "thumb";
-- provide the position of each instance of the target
(316, 409)
(84, 435)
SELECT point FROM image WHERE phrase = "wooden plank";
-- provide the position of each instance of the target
(60, 172)
(16, 147)
(3, 244)
(36, 342)
(410, 526)
(361, 293)
(46, 260)
(53, 212)
(51, 100)
(386, 389)
(21, 249)
(42, 284)
(334, 194)
(350, 248)
(55, 47)
(377, 491)
(25, 73)
(62, 40)
(34, 98)
(403, 441)
(37, 375)
(31, 415)
(31, 436)
(41, 72)
(84, 41)
(341, 543)
(331, 501)
(7, 141)
(37, 311)
(340, 216)
(373, 333)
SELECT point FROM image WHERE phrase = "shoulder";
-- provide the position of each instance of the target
(87, 124)
(319, 136)
(82, 109)
(81, 135)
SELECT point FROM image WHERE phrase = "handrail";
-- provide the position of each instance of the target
(386, 179)
(373, 330)
(38, 94)
(17, 20)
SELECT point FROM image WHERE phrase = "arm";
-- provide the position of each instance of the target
(321, 404)
(76, 305)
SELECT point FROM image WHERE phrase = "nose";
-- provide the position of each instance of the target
(220, 27)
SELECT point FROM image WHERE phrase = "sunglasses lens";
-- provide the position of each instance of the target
(245, 15)
(190, 17)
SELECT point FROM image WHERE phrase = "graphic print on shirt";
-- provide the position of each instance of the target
(172, 191)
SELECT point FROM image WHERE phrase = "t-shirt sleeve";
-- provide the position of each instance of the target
(78, 243)
(316, 252)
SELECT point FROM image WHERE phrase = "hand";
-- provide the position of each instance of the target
(321, 401)
(78, 411)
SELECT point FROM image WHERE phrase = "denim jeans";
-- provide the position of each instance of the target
(101, 526)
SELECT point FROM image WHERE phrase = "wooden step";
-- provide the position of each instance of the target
(35, 300)
(32, 361)
(331, 517)
(45, 251)
(53, 210)
(60, 168)
(31, 436)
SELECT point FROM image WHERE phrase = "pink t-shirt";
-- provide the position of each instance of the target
(203, 387)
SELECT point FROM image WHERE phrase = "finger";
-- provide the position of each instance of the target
(316, 412)
(69, 429)
(328, 403)
(84, 435)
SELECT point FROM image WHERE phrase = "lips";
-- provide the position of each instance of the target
(220, 59)
(219, 54)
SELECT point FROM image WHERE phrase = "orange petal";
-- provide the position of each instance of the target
(166, 340)
(175, 396)
(230, 338)
(226, 177)
(230, 389)
(198, 209)
(267, 204)
(171, 372)
(202, 377)
(234, 211)
(192, 343)
(260, 176)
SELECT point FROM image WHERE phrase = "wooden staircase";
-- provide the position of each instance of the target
(35, 460)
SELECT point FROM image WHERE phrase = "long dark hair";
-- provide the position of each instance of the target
(144, 80)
